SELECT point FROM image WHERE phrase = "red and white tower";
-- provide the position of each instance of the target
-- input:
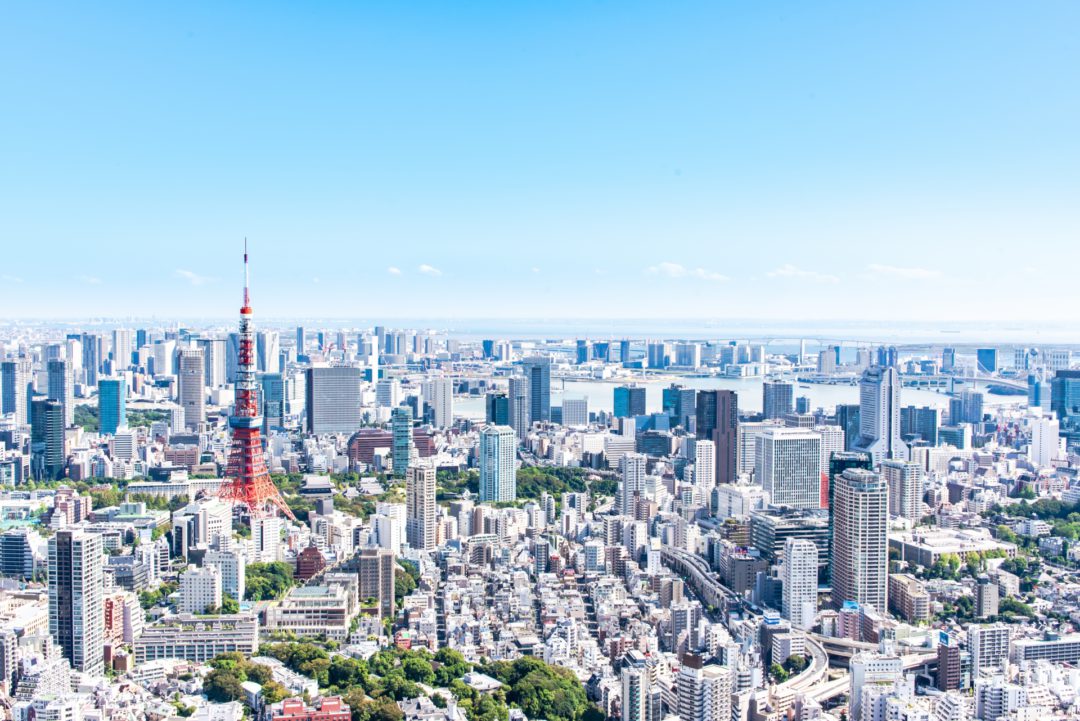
(248, 482)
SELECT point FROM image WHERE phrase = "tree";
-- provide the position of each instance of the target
(229, 605)
(222, 686)
(417, 669)
(274, 692)
(778, 672)
(268, 581)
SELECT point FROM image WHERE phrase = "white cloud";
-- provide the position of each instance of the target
(429, 270)
(787, 270)
(905, 273)
(393, 270)
(675, 270)
(90, 279)
(193, 278)
(11, 278)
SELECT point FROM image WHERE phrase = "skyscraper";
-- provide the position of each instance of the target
(272, 386)
(1045, 441)
(905, 482)
(92, 357)
(629, 401)
(112, 404)
(879, 415)
(705, 467)
(519, 406)
(921, 422)
(860, 556)
(497, 408)
(637, 678)
(333, 400)
(121, 349)
(401, 424)
(987, 360)
(62, 388)
(191, 393)
(633, 481)
(777, 399)
(375, 568)
(76, 604)
(789, 466)
(48, 455)
(301, 345)
(800, 576)
(18, 389)
(440, 392)
(703, 692)
(537, 370)
(267, 352)
(214, 352)
(497, 475)
(420, 508)
(717, 418)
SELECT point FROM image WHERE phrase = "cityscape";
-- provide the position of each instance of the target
(619, 362)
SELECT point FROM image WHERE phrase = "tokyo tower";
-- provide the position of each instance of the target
(248, 482)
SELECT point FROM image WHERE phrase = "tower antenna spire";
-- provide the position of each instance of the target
(247, 294)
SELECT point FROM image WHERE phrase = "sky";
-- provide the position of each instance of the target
(588, 159)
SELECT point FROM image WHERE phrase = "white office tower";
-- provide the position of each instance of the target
(176, 418)
(1045, 441)
(266, 538)
(76, 599)
(200, 590)
(440, 395)
(905, 481)
(789, 466)
(832, 441)
(575, 412)
(800, 572)
(191, 394)
(164, 356)
(879, 415)
(388, 393)
(705, 467)
(869, 668)
(121, 349)
(633, 481)
(498, 482)
(420, 507)
(519, 405)
(389, 531)
(123, 444)
(703, 692)
(860, 557)
(214, 353)
(988, 644)
(231, 564)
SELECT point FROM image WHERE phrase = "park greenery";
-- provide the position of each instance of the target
(267, 581)
(372, 687)
(86, 416)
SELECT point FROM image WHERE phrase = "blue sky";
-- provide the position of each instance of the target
(602, 159)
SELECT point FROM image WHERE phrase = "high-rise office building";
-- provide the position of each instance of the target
(214, 353)
(333, 400)
(921, 422)
(987, 360)
(800, 579)
(777, 399)
(497, 408)
(967, 407)
(76, 599)
(519, 405)
(879, 415)
(498, 480)
(860, 556)
(681, 404)
(439, 394)
(905, 482)
(92, 358)
(191, 393)
(272, 387)
(658, 355)
(637, 684)
(420, 508)
(301, 341)
(537, 370)
(575, 412)
(267, 352)
(48, 454)
(629, 401)
(121, 349)
(401, 428)
(112, 405)
(16, 380)
(847, 417)
(200, 590)
(789, 467)
(62, 388)
(624, 351)
(705, 467)
(717, 419)
(584, 351)
(948, 359)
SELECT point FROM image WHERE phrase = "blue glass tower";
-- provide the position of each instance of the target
(112, 405)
